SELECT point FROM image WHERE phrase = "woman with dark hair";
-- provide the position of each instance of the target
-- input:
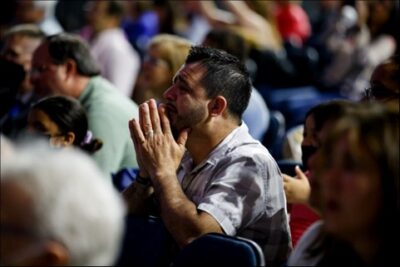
(357, 172)
(64, 121)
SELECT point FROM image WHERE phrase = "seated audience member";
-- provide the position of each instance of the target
(206, 171)
(57, 210)
(165, 54)
(357, 174)
(118, 60)
(20, 42)
(63, 65)
(64, 121)
(385, 84)
(319, 121)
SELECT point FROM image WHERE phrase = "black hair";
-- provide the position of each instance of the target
(329, 111)
(225, 75)
(229, 41)
(66, 46)
(70, 116)
(115, 9)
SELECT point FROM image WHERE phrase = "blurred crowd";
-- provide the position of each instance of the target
(276, 121)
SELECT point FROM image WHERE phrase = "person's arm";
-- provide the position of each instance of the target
(161, 155)
(214, 15)
(138, 197)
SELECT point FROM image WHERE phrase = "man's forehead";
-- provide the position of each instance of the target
(191, 71)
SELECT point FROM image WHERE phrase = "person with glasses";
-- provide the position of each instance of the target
(63, 65)
(63, 120)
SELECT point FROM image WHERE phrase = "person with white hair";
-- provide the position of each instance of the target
(57, 209)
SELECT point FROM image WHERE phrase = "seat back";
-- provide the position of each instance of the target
(220, 250)
(273, 138)
(146, 242)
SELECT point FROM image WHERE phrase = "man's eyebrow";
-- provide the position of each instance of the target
(180, 79)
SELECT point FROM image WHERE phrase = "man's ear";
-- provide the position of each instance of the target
(70, 68)
(217, 105)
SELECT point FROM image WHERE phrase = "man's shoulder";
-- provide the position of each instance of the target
(106, 94)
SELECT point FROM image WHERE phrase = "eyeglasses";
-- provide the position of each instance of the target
(379, 92)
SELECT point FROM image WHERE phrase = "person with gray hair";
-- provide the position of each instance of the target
(57, 209)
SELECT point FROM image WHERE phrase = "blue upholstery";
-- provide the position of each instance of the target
(295, 102)
(146, 242)
(273, 138)
(124, 177)
(287, 166)
(220, 250)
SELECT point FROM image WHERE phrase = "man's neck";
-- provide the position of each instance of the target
(202, 142)
(80, 83)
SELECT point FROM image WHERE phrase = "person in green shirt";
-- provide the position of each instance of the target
(63, 65)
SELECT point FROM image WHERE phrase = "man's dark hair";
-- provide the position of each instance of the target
(66, 46)
(115, 9)
(225, 75)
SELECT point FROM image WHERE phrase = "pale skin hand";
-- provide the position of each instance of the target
(297, 189)
(160, 155)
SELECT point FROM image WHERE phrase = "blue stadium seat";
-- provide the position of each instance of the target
(146, 242)
(220, 250)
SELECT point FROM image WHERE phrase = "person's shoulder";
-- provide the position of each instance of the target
(299, 256)
(105, 93)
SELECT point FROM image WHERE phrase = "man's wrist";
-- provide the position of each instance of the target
(143, 180)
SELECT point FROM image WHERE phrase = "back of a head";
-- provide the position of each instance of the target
(115, 9)
(67, 113)
(329, 111)
(174, 49)
(224, 75)
(229, 41)
(73, 203)
(65, 46)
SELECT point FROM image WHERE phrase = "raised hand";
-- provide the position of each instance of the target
(297, 189)
(157, 151)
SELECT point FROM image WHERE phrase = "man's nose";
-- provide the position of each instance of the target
(169, 94)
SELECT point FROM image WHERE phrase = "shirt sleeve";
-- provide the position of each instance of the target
(236, 196)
